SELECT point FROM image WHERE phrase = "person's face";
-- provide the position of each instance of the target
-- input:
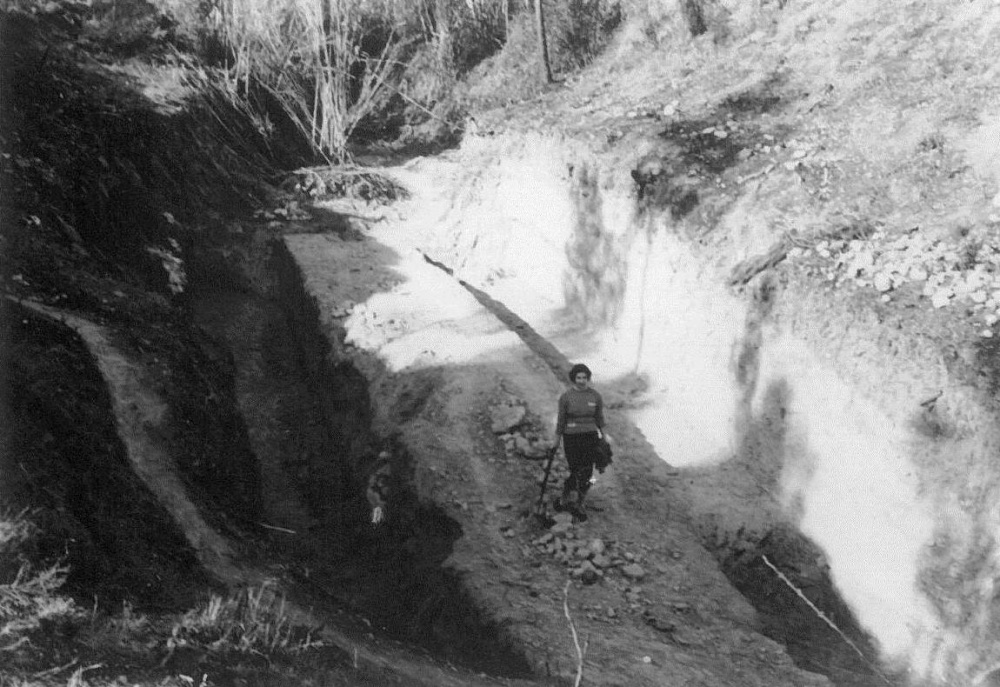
(581, 380)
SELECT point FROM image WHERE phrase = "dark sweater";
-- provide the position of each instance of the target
(580, 412)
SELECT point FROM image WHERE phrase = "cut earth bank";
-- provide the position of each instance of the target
(814, 439)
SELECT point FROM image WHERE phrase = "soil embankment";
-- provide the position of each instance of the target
(309, 420)
(804, 419)
(439, 364)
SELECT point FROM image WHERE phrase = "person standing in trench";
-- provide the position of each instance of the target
(579, 427)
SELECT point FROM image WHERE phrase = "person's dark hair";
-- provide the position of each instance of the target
(577, 369)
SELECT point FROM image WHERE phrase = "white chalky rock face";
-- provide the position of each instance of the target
(963, 276)
(863, 262)
(941, 297)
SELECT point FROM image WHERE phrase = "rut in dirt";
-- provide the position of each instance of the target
(309, 418)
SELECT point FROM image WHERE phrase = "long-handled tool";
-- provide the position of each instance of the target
(541, 512)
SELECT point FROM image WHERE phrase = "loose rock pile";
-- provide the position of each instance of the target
(509, 421)
(948, 275)
(588, 560)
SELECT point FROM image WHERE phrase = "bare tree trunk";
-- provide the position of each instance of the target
(695, 17)
(543, 45)
(442, 27)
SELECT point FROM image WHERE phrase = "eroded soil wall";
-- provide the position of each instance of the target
(63, 461)
(788, 405)
(309, 418)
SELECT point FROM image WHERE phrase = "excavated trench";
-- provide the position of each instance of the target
(781, 572)
(311, 423)
(309, 420)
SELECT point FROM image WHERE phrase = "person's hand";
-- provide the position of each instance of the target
(378, 515)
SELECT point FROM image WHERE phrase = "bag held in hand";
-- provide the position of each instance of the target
(602, 454)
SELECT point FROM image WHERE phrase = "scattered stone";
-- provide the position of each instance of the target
(596, 546)
(882, 282)
(601, 561)
(507, 415)
(942, 297)
(587, 573)
(530, 449)
(633, 571)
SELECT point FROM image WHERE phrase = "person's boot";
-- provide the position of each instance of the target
(579, 511)
(567, 501)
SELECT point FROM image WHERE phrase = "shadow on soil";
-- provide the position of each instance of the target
(61, 454)
(317, 435)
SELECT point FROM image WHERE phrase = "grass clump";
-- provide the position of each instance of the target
(29, 594)
(251, 621)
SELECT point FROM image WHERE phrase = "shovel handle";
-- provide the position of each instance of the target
(545, 475)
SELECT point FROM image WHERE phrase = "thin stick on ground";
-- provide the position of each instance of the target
(576, 639)
(825, 619)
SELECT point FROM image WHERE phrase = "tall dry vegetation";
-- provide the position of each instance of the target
(327, 63)
(332, 64)
(29, 595)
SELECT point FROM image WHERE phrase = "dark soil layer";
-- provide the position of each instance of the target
(60, 455)
(98, 186)
(317, 433)
(845, 656)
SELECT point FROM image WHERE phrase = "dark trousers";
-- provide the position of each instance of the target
(580, 450)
